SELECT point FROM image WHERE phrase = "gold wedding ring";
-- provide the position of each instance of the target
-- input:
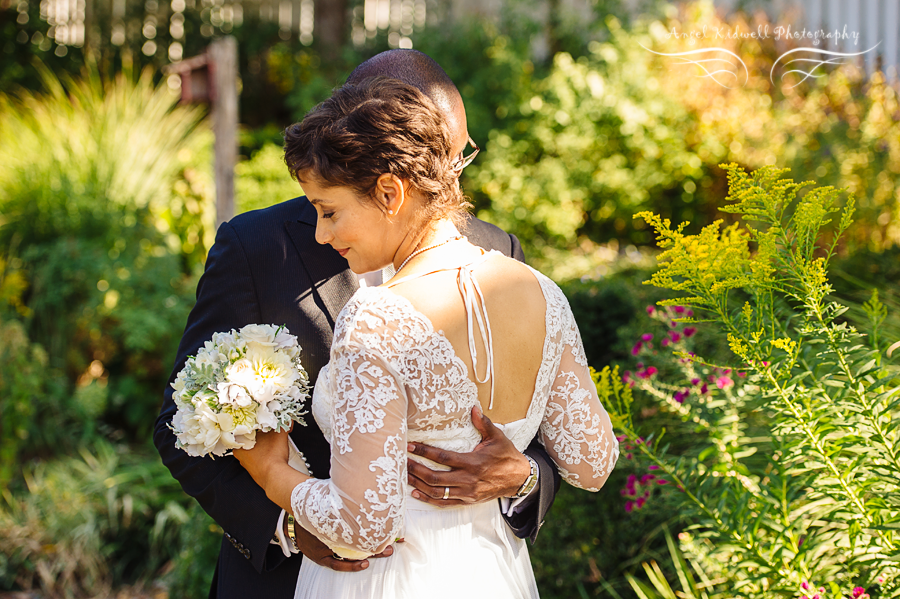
(446, 493)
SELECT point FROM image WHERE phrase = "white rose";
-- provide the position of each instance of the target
(284, 340)
(241, 373)
(234, 394)
(258, 333)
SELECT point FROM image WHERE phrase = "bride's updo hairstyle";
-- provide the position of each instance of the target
(378, 126)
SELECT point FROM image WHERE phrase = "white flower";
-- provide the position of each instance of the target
(241, 373)
(284, 340)
(234, 394)
(238, 383)
(258, 333)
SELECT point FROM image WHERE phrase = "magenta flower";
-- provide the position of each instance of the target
(629, 505)
(695, 381)
(653, 467)
(804, 585)
(647, 477)
(647, 337)
(662, 481)
(665, 342)
(637, 348)
(679, 309)
(724, 382)
(689, 331)
(651, 310)
(857, 591)
(675, 336)
(640, 502)
(680, 396)
(704, 389)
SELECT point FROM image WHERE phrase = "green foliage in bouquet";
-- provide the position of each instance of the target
(791, 485)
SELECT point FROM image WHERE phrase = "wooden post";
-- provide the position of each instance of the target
(223, 68)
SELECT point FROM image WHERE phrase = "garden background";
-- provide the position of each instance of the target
(106, 216)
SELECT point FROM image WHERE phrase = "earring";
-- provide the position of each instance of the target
(390, 211)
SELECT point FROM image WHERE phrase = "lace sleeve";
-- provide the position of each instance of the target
(576, 430)
(360, 507)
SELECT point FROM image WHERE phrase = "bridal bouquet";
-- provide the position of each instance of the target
(239, 383)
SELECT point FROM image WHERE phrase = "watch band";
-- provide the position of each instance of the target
(292, 535)
(530, 482)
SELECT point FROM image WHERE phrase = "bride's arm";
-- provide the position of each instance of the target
(576, 430)
(267, 463)
(359, 510)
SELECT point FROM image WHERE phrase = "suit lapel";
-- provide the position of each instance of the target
(332, 282)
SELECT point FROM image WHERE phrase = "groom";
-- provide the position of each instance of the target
(267, 268)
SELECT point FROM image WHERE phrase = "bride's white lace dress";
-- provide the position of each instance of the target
(393, 378)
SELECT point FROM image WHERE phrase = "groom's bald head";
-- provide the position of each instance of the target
(420, 71)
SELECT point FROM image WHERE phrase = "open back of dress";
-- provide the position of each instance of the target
(393, 378)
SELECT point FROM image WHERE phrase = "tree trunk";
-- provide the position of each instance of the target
(332, 26)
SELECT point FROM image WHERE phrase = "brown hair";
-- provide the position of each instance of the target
(378, 126)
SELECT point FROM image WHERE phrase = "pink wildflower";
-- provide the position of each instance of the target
(629, 505)
(651, 370)
(665, 342)
(704, 389)
(662, 481)
(723, 382)
(857, 591)
(695, 381)
(689, 331)
(675, 336)
(679, 309)
(651, 310)
(653, 467)
(804, 585)
(640, 502)
(647, 337)
(637, 348)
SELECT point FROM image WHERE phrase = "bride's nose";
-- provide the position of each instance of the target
(323, 233)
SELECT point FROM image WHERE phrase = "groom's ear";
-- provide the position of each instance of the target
(390, 193)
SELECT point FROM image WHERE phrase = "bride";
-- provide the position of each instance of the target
(455, 330)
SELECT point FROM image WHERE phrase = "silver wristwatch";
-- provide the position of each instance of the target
(530, 482)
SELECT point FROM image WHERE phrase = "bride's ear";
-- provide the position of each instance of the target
(390, 193)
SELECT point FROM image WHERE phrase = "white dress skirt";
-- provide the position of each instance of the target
(463, 552)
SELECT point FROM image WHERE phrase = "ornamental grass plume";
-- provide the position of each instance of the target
(791, 475)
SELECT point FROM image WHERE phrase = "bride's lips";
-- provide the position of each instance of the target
(342, 252)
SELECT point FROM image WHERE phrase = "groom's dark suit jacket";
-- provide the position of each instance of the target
(267, 268)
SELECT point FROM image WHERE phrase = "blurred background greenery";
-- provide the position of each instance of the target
(106, 215)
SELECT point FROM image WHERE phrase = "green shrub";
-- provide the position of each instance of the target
(82, 524)
(23, 376)
(264, 180)
(104, 223)
(805, 499)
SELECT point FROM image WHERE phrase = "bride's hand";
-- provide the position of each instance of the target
(269, 453)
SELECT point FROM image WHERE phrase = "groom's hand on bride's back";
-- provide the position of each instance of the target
(495, 468)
